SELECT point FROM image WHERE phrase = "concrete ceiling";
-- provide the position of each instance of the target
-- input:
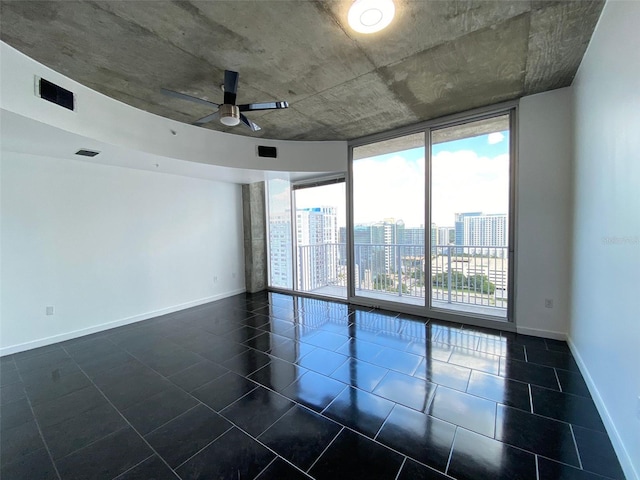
(436, 58)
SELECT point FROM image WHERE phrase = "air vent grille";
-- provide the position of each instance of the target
(87, 153)
(268, 152)
(56, 94)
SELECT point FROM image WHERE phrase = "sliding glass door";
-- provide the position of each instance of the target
(431, 224)
(469, 210)
(320, 240)
(388, 220)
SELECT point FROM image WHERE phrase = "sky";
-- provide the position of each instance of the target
(469, 175)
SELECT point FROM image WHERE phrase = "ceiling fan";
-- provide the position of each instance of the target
(229, 113)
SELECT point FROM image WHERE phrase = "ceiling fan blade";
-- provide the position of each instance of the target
(247, 107)
(230, 87)
(207, 119)
(249, 123)
(184, 96)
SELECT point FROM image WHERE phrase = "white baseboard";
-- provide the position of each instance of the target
(41, 342)
(623, 456)
(536, 332)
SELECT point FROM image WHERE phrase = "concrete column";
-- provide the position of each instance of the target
(255, 237)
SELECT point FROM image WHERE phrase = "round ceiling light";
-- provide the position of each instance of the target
(369, 16)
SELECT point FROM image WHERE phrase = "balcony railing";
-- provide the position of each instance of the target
(460, 274)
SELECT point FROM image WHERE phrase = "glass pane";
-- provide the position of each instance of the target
(279, 219)
(470, 217)
(388, 216)
(320, 240)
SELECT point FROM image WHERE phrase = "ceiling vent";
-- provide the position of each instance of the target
(268, 152)
(56, 94)
(87, 153)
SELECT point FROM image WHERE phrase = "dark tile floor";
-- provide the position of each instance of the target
(272, 386)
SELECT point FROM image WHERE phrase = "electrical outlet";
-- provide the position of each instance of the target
(548, 303)
(49, 310)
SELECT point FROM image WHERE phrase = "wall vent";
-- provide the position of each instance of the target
(87, 153)
(268, 152)
(56, 94)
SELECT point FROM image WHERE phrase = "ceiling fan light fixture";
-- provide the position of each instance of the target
(370, 16)
(229, 115)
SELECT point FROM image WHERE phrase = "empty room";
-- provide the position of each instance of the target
(319, 239)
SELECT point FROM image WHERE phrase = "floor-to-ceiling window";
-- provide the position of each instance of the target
(431, 223)
(389, 220)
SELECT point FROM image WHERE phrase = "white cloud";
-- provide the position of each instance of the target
(495, 137)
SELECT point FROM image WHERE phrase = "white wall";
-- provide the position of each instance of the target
(605, 311)
(544, 213)
(108, 244)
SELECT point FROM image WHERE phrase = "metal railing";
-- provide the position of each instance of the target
(460, 274)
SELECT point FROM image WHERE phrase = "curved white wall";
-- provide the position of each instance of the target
(106, 120)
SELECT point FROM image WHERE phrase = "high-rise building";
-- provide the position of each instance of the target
(317, 239)
(280, 250)
(475, 229)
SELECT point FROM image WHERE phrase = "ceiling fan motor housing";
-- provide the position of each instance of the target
(229, 115)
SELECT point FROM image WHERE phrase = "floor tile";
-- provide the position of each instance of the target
(36, 465)
(290, 350)
(360, 349)
(475, 456)
(326, 340)
(541, 435)
(484, 362)
(94, 366)
(56, 387)
(168, 360)
(357, 373)
(500, 389)
(435, 351)
(45, 360)
(105, 458)
(322, 361)
(278, 374)
(300, 436)
(314, 390)
(233, 455)
(414, 471)
(402, 362)
(185, 435)
(359, 410)
(526, 340)
(59, 369)
(572, 383)
(197, 375)
(150, 469)
(221, 353)
(550, 358)
(352, 455)
(501, 346)
(279, 470)
(12, 392)
(257, 410)
(15, 413)
(407, 390)
(129, 390)
(223, 391)
(419, 436)
(529, 373)
(459, 338)
(557, 345)
(68, 406)
(597, 454)
(19, 441)
(550, 470)
(452, 376)
(566, 407)
(9, 377)
(242, 334)
(158, 409)
(247, 362)
(468, 411)
(82, 429)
